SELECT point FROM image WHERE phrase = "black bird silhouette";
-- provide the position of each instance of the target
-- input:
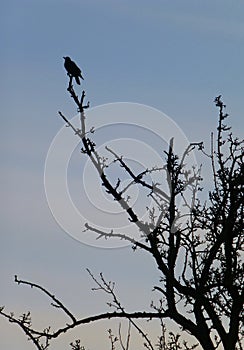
(72, 69)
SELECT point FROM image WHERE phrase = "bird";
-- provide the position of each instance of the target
(72, 69)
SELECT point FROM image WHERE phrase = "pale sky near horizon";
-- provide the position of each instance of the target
(173, 56)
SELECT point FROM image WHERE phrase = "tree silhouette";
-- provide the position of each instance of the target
(199, 258)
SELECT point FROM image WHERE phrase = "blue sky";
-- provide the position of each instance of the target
(173, 56)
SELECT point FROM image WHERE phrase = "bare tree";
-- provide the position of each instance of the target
(205, 296)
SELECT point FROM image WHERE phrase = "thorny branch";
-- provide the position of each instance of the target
(41, 339)
(209, 285)
(108, 287)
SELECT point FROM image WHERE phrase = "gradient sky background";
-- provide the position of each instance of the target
(175, 56)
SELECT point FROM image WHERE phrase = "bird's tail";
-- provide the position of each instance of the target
(77, 80)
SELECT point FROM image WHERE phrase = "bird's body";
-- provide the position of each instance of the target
(72, 69)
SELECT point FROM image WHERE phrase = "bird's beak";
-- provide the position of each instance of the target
(64, 57)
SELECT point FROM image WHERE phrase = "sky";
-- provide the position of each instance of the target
(165, 57)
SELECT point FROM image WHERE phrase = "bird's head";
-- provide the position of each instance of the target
(66, 58)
